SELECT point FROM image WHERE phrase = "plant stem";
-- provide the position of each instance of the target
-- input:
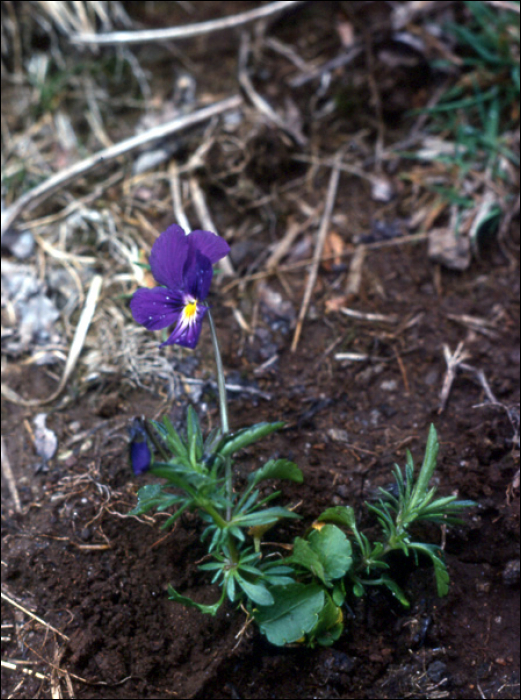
(223, 406)
(220, 378)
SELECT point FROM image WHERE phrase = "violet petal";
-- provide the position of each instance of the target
(168, 257)
(212, 246)
(157, 308)
(197, 275)
(187, 333)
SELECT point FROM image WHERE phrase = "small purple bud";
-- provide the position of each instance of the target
(140, 455)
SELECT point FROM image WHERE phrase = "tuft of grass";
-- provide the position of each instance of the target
(479, 114)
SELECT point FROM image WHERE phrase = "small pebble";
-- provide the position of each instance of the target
(511, 573)
(436, 671)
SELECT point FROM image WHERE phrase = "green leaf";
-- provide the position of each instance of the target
(263, 517)
(340, 515)
(151, 496)
(339, 592)
(174, 477)
(277, 469)
(194, 435)
(334, 551)
(329, 626)
(208, 609)
(358, 589)
(326, 553)
(395, 590)
(247, 436)
(171, 520)
(305, 556)
(256, 592)
(293, 614)
(175, 444)
(230, 588)
(427, 470)
(440, 569)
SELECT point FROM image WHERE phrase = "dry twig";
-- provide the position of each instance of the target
(7, 472)
(453, 361)
(324, 226)
(185, 32)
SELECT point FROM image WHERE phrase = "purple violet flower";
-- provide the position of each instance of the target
(182, 264)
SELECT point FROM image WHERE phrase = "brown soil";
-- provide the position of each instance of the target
(99, 577)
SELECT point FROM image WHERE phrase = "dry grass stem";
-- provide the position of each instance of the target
(41, 192)
(12, 602)
(352, 356)
(177, 198)
(453, 361)
(7, 472)
(383, 318)
(185, 31)
(354, 276)
(283, 247)
(21, 666)
(203, 213)
(259, 102)
(332, 65)
(321, 239)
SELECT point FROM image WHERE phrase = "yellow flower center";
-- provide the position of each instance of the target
(190, 310)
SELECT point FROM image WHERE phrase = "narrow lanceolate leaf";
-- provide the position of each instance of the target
(440, 570)
(174, 442)
(150, 496)
(263, 517)
(209, 609)
(277, 469)
(194, 435)
(247, 436)
(395, 590)
(427, 470)
(256, 592)
(293, 614)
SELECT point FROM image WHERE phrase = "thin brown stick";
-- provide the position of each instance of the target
(185, 32)
(39, 193)
(324, 226)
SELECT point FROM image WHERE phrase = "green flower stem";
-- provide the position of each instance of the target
(220, 378)
(223, 406)
(216, 517)
(223, 524)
